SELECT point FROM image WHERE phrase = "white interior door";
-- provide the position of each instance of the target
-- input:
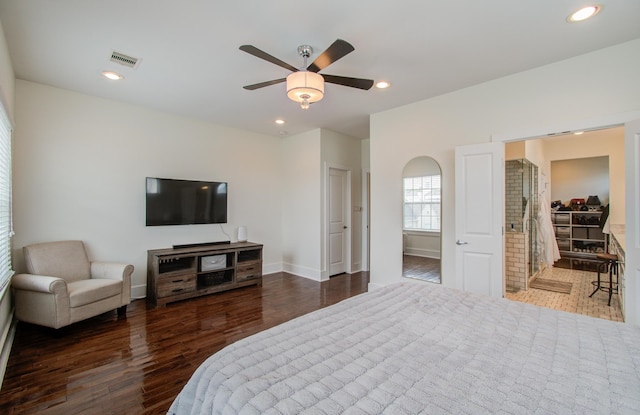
(632, 225)
(479, 218)
(337, 221)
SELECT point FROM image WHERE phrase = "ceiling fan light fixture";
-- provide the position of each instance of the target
(305, 87)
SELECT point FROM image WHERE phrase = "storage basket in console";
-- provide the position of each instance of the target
(215, 278)
(213, 262)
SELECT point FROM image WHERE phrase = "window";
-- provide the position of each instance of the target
(422, 203)
(5, 200)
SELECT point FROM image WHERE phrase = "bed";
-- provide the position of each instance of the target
(420, 348)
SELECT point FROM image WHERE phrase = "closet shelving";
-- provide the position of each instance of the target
(578, 233)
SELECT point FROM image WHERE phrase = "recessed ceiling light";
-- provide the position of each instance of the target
(584, 13)
(383, 85)
(280, 121)
(578, 133)
(114, 76)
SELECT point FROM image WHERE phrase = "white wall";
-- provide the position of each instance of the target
(364, 154)
(515, 150)
(80, 165)
(306, 160)
(301, 205)
(580, 178)
(7, 77)
(421, 166)
(343, 152)
(537, 100)
(534, 152)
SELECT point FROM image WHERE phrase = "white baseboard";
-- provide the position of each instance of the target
(7, 328)
(426, 253)
(301, 271)
(6, 350)
(138, 291)
(271, 268)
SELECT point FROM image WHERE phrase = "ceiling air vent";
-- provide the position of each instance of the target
(123, 59)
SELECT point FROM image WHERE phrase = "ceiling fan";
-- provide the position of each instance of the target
(306, 85)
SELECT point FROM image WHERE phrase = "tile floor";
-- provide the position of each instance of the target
(578, 301)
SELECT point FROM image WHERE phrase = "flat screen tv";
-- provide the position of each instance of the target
(185, 202)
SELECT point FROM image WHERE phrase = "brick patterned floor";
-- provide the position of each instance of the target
(578, 301)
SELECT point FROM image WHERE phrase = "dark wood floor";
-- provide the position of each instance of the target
(422, 268)
(138, 365)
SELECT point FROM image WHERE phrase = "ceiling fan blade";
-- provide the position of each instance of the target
(346, 81)
(252, 50)
(263, 84)
(337, 50)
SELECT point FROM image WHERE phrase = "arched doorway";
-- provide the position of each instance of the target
(421, 219)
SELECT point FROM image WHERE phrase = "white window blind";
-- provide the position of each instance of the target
(6, 230)
(422, 203)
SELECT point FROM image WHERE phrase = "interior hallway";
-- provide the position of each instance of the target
(578, 301)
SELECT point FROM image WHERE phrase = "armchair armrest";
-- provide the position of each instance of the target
(111, 270)
(41, 299)
(115, 271)
(39, 283)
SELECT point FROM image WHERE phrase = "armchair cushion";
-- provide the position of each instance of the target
(89, 291)
(63, 259)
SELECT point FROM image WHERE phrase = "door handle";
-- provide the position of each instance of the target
(344, 227)
(459, 242)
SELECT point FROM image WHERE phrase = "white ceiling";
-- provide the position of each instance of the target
(191, 65)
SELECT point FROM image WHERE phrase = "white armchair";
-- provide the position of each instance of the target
(62, 286)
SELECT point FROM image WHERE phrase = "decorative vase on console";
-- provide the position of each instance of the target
(242, 234)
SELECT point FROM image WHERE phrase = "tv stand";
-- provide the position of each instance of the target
(189, 271)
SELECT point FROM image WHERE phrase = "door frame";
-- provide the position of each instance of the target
(325, 273)
(632, 184)
(366, 220)
(631, 288)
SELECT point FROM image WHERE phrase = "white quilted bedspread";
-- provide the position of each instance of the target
(421, 348)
